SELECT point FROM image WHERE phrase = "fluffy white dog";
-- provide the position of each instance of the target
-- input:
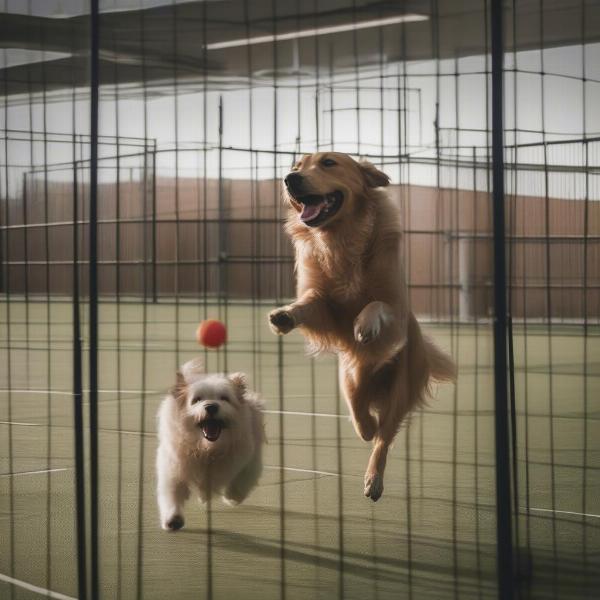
(210, 430)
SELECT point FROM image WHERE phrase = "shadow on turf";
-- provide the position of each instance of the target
(361, 565)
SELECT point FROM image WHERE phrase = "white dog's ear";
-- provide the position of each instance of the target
(179, 390)
(240, 383)
(192, 369)
(373, 176)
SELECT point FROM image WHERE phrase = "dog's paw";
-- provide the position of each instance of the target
(233, 498)
(365, 334)
(366, 427)
(373, 486)
(370, 322)
(174, 523)
(281, 321)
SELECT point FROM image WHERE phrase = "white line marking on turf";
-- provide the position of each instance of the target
(67, 393)
(57, 392)
(35, 588)
(31, 472)
(270, 412)
(276, 468)
(22, 424)
(125, 431)
(163, 392)
(128, 432)
(305, 414)
(562, 512)
(129, 391)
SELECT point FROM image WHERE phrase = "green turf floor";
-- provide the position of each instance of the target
(306, 531)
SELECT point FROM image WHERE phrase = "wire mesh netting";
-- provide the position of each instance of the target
(143, 147)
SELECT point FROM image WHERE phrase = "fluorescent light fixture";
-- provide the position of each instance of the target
(303, 33)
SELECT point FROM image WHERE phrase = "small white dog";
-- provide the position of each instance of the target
(210, 430)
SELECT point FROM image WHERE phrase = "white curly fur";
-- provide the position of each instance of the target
(231, 465)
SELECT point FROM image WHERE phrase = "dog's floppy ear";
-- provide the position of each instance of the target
(240, 383)
(179, 390)
(192, 370)
(373, 176)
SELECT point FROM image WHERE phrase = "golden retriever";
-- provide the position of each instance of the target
(353, 298)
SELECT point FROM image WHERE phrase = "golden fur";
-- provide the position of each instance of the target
(353, 299)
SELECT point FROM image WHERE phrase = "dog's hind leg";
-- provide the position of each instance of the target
(389, 423)
(244, 482)
(357, 394)
(375, 469)
(393, 403)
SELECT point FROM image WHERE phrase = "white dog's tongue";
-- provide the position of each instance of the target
(311, 211)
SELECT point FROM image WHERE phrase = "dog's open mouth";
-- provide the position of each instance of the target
(317, 209)
(211, 428)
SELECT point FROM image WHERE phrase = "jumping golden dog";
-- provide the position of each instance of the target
(353, 298)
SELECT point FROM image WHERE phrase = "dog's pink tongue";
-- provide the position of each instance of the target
(311, 211)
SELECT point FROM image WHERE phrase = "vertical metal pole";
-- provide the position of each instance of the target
(26, 255)
(503, 485)
(222, 242)
(93, 291)
(147, 263)
(465, 291)
(78, 401)
(154, 248)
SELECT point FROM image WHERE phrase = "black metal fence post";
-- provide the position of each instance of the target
(222, 247)
(503, 484)
(93, 296)
(154, 227)
(78, 400)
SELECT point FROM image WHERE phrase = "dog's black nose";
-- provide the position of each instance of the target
(293, 182)
(212, 409)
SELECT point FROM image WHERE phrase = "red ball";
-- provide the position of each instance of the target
(211, 333)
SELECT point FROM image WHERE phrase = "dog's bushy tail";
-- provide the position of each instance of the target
(427, 364)
(441, 366)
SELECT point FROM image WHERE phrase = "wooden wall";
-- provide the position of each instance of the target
(171, 237)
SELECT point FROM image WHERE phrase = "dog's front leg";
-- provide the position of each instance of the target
(310, 310)
(171, 494)
(378, 321)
